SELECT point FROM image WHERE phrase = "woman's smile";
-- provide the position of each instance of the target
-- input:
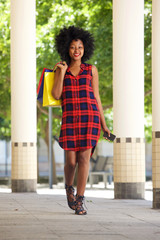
(76, 54)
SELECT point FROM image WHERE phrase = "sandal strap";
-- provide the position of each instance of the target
(79, 205)
(70, 196)
(80, 199)
(81, 210)
(69, 189)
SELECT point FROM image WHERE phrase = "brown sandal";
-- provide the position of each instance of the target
(70, 196)
(79, 205)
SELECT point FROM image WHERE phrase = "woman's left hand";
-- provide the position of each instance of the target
(108, 131)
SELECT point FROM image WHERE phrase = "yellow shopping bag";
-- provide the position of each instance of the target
(48, 99)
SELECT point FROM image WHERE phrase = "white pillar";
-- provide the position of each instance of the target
(128, 98)
(23, 95)
(156, 102)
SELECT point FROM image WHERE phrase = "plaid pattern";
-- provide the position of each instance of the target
(81, 125)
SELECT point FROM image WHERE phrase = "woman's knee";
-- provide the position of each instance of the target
(83, 158)
(70, 164)
(70, 159)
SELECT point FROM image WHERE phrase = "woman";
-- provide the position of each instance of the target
(76, 83)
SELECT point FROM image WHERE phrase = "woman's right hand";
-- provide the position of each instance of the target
(62, 66)
(58, 79)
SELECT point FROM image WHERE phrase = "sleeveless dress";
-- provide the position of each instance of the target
(81, 124)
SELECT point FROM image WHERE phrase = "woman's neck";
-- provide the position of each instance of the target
(75, 63)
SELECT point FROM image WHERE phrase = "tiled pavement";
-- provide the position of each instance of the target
(45, 215)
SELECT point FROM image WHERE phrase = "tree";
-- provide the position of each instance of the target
(51, 15)
(148, 70)
(5, 123)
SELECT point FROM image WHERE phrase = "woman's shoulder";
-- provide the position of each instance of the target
(87, 64)
(90, 65)
(92, 68)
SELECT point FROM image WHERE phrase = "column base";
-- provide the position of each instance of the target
(156, 198)
(25, 185)
(129, 190)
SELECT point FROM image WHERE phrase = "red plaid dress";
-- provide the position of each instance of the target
(81, 125)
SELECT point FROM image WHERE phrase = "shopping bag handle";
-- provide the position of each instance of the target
(55, 67)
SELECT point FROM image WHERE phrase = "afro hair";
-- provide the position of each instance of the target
(65, 37)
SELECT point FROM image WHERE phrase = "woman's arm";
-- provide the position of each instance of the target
(58, 80)
(95, 85)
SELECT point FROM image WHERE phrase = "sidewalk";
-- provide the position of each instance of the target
(45, 215)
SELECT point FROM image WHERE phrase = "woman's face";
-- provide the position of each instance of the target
(76, 50)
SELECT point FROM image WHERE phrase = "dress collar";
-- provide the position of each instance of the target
(82, 66)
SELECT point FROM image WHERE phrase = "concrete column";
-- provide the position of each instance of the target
(156, 102)
(23, 96)
(128, 98)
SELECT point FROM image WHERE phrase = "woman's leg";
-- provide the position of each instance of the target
(83, 170)
(69, 168)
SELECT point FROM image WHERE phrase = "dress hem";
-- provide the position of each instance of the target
(80, 148)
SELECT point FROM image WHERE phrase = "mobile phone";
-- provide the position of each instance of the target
(111, 138)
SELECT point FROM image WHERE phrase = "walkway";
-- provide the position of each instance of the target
(46, 216)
